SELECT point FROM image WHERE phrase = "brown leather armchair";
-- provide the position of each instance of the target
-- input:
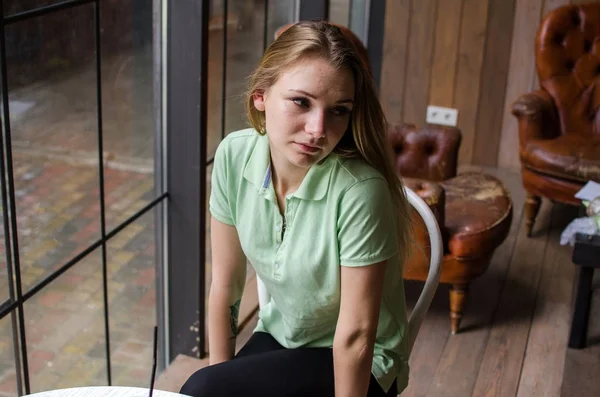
(473, 209)
(559, 124)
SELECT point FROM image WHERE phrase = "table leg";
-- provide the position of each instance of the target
(579, 324)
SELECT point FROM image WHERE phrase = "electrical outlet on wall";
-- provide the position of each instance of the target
(443, 116)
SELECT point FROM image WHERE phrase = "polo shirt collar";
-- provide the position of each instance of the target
(258, 172)
(315, 184)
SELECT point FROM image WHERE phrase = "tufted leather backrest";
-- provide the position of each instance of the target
(428, 153)
(568, 65)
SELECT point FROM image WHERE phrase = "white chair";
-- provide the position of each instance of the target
(418, 314)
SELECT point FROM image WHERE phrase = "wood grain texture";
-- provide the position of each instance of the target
(527, 16)
(500, 368)
(420, 51)
(468, 78)
(395, 55)
(445, 53)
(548, 337)
(433, 335)
(488, 126)
(457, 371)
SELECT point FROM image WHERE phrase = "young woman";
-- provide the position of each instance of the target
(309, 196)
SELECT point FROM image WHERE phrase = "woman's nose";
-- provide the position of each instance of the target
(315, 125)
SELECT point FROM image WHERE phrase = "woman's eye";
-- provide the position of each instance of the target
(302, 102)
(341, 111)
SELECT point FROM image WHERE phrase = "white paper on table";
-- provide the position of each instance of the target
(590, 191)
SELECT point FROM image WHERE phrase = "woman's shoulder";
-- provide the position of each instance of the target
(238, 139)
(352, 171)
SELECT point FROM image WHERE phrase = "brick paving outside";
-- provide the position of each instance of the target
(58, 216)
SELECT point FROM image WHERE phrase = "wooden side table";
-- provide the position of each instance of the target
(586, 255)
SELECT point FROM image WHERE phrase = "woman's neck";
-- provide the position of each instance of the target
(286, 176)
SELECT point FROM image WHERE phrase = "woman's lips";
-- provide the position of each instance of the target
(308, 148)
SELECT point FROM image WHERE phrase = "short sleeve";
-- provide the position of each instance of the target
(367, 224)
(220, 195)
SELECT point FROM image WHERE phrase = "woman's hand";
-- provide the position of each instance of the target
(226, 288)
(361, 291)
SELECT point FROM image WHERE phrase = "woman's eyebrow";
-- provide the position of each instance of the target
(308, 94)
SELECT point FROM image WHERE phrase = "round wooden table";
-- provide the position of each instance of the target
(105, 391)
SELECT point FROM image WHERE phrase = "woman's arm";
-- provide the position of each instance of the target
(361, 291)
(226, 288)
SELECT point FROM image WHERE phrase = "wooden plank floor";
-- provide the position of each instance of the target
(513, 339)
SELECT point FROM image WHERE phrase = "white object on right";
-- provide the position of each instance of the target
(589, 191)
(583, 225)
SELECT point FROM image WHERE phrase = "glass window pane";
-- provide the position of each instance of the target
(132, 267)
(245, 41)
(64, 324)
(129, 126)
(8, 374)
(245, 38)
(244, 51)
(351, 14)
(52, 94)
(339, 11)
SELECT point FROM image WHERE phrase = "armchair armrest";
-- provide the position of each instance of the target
(537, 116)
(429, 153)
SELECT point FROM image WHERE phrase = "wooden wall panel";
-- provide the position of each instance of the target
(420, 50)
(493, 82)
(445, 53)
(468, 72)
(474, 55)
(393, 65)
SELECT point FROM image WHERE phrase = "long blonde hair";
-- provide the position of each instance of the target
(365, 137)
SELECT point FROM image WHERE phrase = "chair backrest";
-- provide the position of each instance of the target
(567, 54)
(429, 152)
(418, 314)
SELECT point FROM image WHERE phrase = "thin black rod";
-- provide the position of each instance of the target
(41, 284)
(224, 67)
(11, 202)
(154, 353)
(210, 161)
(101, 185)
(9, 267)
(38, 12)
(266, 26)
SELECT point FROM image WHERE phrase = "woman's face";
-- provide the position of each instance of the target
(307, 111)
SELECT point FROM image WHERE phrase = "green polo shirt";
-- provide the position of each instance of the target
(341, 215)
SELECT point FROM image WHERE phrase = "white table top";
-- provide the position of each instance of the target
(105, 391)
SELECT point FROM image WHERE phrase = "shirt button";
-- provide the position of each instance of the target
(278, 228)
(277, 266)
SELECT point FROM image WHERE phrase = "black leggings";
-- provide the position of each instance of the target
(265, 368)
